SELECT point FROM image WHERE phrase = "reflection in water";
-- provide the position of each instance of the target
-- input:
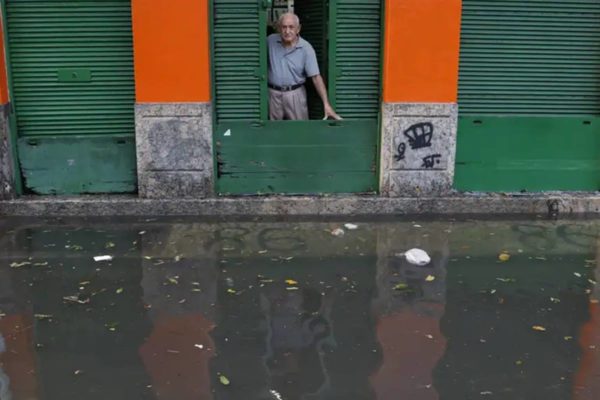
(288, 311)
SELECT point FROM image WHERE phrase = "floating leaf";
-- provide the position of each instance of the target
(506, 280)
(223, 379)
(232, 291)
(19, 265)
(112, 326)
(43, 316)
(291, 282)
(119, 290)
(538, 328)
(401, 286)
(577, 274)
(109, 245)
(554, 300)
(504, 256)
(173, 280)
(430, 278)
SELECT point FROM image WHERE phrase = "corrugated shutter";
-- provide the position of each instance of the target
(72, 66)
(239, 69)
(534, 57)
(354, 61)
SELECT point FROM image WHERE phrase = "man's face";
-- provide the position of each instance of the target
(289, 30)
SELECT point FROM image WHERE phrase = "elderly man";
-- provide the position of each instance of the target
(291, 61)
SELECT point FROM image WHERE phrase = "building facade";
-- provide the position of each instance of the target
(169, 99)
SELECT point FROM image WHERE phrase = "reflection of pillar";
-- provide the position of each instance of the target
(179, 284)
(408, 323)
(18, 373)
(587, 379)
(18, 361)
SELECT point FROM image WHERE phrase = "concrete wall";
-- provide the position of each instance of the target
(174, 150)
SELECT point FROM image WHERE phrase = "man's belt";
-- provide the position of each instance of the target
(286, 88)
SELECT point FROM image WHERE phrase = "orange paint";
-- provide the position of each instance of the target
(171, 50)
(421, 51)
(3, 77)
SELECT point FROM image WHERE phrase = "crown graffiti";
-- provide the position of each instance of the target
(419, 135)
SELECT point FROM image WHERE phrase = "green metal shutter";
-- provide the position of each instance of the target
(354, 57)
(73, 93)
(535, 57)
(529, 96)
(239, 52)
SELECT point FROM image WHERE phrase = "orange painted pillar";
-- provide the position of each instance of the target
(3, 75)
(171, 51)
(420, 90)
(421, 51)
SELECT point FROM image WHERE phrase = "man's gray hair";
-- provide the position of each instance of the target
(288, 14)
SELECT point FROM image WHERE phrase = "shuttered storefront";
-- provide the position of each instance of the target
(73, 94)
(258, 156)
(529, 95)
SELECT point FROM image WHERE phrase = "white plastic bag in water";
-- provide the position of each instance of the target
(417, 257)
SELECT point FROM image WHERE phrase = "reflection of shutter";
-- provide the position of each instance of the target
(355, 34)
(238, 65)
(72, 66)
(537, 57)
(313, 16)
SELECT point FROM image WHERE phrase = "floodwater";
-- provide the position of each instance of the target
(286, 310)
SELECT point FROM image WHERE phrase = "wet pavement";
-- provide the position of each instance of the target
(287, 310)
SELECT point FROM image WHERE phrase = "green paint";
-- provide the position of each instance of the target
(528, 153)
(259, 156)
(74, 75)
(78, 164)
(296, 157)
(55, 93)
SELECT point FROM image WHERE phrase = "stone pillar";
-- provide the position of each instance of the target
(7, 187)
(174, 150)
(418, 149)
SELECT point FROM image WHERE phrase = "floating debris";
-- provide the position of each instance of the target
(20, 264)
(538, 328)
(504, 256)
(417, 257)
(223, 379)
(351, 227)
(103, 258)
(338, 232)
(76, 299)
(401, 286)
(43, 317)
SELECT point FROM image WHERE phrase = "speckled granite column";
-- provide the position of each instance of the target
(174, 150)
(7, 189)
(418, 149)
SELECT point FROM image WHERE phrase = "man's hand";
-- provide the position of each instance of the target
(322, 90)
(330, 112)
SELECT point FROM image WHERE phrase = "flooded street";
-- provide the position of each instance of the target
(185, 309)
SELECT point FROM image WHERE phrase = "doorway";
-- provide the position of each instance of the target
(257, 156)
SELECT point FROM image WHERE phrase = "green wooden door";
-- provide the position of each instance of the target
(529, 96)
(258, 156)
(72, 91)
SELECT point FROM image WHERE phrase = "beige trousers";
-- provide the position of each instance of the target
(290, 105)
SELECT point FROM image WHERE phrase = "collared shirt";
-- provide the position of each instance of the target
(290, 66)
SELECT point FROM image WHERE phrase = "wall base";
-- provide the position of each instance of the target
(7, 187)
(174, 150)
(418, 149)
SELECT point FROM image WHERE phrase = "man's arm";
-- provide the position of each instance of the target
(322, 90)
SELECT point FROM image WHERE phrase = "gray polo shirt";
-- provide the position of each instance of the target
(290, 66)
